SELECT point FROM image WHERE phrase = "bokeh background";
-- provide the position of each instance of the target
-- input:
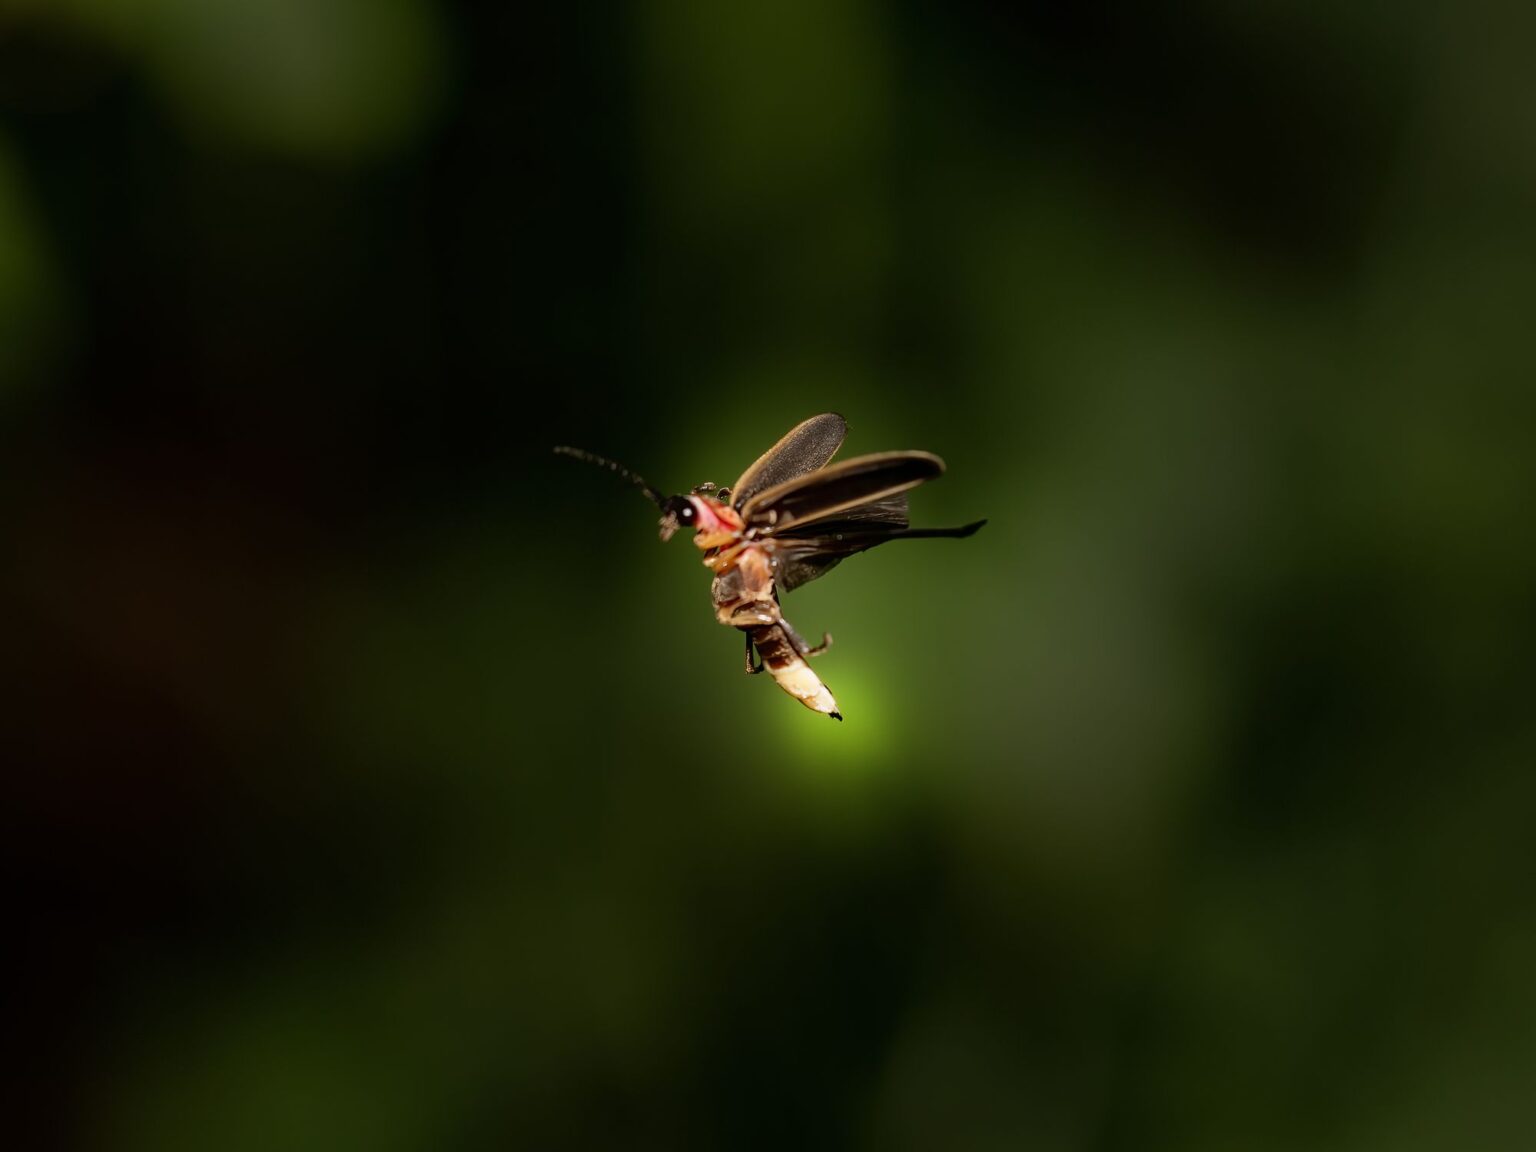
(376, 780)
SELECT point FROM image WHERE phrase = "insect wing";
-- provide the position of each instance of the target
(804, 448)
(800, 562)
(840, 490)
(888, 514)
(802, 558)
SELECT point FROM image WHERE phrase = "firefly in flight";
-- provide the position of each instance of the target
(791, 517)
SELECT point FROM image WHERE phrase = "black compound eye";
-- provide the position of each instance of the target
(681, 509)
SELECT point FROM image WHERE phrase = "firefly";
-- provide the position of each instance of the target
(792, 516)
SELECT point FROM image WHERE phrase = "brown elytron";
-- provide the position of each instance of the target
(791, 517)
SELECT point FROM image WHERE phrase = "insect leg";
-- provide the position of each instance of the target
(752, 669)
(799, 641)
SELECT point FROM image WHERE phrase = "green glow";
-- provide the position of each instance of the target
(864, 742)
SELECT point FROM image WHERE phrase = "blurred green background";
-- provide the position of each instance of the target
(378, 781)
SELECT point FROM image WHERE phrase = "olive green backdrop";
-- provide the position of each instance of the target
(380, 782)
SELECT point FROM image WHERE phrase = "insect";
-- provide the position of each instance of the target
(791, 517)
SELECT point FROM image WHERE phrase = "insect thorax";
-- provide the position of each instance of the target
(749, 581)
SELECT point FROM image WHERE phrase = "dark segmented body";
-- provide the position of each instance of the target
(793, 674)
(744, 599)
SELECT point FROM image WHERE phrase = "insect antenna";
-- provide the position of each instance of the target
(654, 496)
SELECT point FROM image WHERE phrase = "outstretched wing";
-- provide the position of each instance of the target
(801, 559)
(804, 448)
(839, 490)
(799, 565)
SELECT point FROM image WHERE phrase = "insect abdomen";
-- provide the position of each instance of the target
(790, 670)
